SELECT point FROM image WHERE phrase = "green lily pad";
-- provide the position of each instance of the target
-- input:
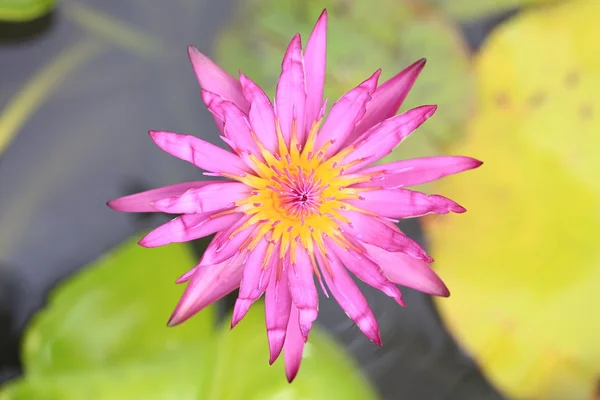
(114, 312)
(24, 10)
(104, 331)
(362, 37)
(523, 263)
(327, 372)
(103, 336)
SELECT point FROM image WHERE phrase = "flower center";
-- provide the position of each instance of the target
(298, 194)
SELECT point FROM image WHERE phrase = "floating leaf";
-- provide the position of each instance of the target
(524, 263)
(363, 36)
(327, 372)
(104, 337)
(114, 312)
(24, 10)
(104, 331)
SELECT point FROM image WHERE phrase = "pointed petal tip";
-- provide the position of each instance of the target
(156, 136)
(374, 78)
(419, 64)
(244, 80)
(458, 209)
(273, 357)
(178, 317)
(240, 310)
(122, 204)
(438, 288)
(173, 321)
(294, 43)
(192, 49)
(431, 109)
(377, 340)
(194, 53)
(291, 375)
(305, 330)
(276, 341)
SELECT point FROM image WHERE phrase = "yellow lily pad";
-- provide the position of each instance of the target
(523, 263)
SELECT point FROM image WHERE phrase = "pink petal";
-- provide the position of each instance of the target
(236, 125)
(406, 271)
(141, 202)
(261, 114)
(418, 170)
(212, 197)
(315, 62)
(224, 246)
(202, 154)
(403, 203)
(350, 298)
(345, 114)
(293, 346)
(214, 79)
(386, 236)
(388, 98)
(188, 227)
(303, 291)
(278, 304)
(366, 270)
(380, 140)
(255, 279)
(208, 284)
(290, 97)
(187, 276)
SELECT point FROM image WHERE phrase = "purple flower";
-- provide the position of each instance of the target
(302, 198)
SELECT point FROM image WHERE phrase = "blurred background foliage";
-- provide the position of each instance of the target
(517, 85)
(395, 34)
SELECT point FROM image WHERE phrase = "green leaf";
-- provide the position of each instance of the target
(523, 263)
(103, 336)
(114, 312)
(327, 372)
(182, 375)
(24, 10)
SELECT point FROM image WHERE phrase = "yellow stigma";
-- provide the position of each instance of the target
(298, 194)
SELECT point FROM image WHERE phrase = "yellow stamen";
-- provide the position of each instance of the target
(283, 150)
(297, 198)
(246, 179)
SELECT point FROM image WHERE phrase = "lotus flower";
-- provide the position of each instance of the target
(302, 201)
